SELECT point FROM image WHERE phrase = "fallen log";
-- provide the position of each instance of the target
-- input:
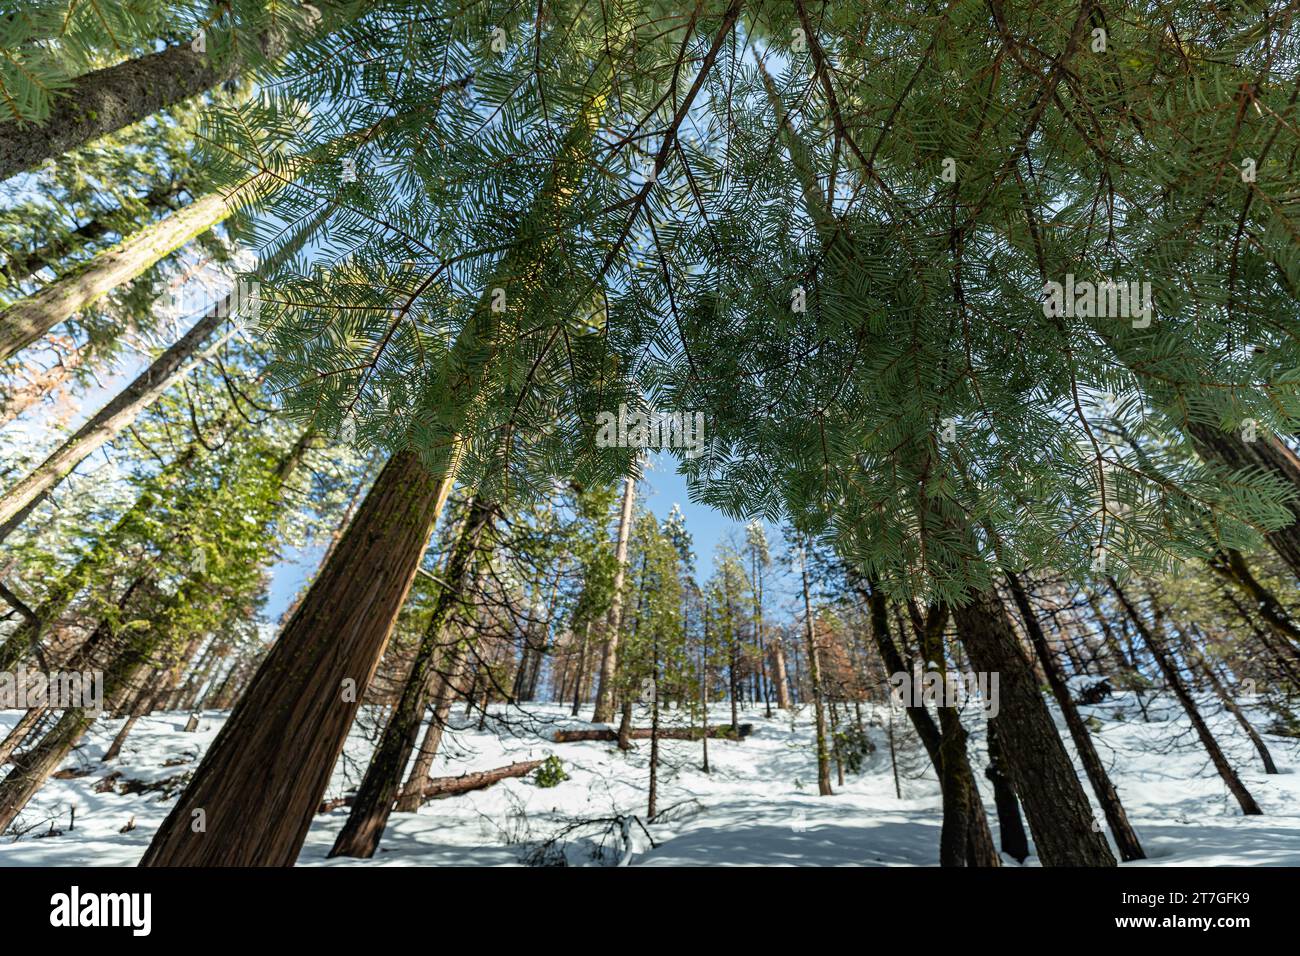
(723, 732)
(435, 788)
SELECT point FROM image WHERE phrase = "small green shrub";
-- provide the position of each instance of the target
(551, 773)
(853, 746)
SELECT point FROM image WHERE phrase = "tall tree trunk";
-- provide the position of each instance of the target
(779, 674)
(1059, 815)
(27, 320)
(760, 641)
(107, 100)
(651, 808)
(543, 650)
(1125, 837)
(980, 851)
(1269, 455)
(1011, 829)
(604, 712)
(582, 669)
(443, 698)
(261, 781)
(965, 838)
(733, 687)
(126, 406)
(954, 786)
(1206, 669)
(704, 688)
(18, 733)
(814, 669)
(115, 749)
(1247, 803)
(379, 788)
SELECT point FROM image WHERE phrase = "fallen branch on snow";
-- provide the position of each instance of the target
(665, 733)
(436, 788)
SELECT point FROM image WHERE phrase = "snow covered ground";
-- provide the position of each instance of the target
(759, 805)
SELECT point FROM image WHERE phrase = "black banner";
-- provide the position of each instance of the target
(338, 905)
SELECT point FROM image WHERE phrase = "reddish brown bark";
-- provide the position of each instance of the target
(723, 732)
(1058, 811)
(263, 777)
(437, 787)
(1126, 839)
(379, 788)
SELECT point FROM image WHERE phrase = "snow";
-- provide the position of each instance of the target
(759, 805)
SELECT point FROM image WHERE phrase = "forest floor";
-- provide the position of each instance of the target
(759, 805)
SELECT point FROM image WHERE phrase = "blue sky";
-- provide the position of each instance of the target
(661, 488)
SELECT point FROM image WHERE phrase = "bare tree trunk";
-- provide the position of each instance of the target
(1247, 803)
(439, 787)
(835, 743)
(13, 740)
(733, 687)
(1058, 810)
(1125, 837)
(115, 750)
(604, 712)
(814, 668)
(654, 736)
(1206, 669)
(704, 688)
(379, 788)
(260, 782)
(582, 669)
(117, 96)
(780, 676)
(1011, 829)
(27, 320)
(412, 794)
(893, 754)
